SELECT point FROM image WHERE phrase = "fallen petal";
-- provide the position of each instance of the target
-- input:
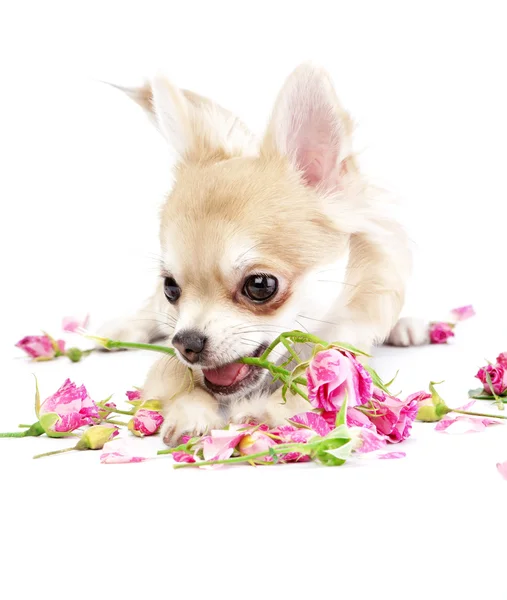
(502, 469)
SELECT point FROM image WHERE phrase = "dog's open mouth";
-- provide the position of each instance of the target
(230, 378)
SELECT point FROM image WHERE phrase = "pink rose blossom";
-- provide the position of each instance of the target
(501, 359)
(73, 406)
(391, 416)
(497, 375)
(502, 469)
(463, 312)
(133, 395)
(41, 346)
(440, 333)
(145, 422)
(119, 451)
(221, 443)
(334, 375)
(255, 442)
(73, 324)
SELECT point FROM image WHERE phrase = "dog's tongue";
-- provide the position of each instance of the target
(226, 375)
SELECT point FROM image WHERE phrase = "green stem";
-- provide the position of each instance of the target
(120, 423)
(17, 434)
(55, 452)
(477, 414)
(109, 344)
(129, 413)
(24, 426)
(281, 449)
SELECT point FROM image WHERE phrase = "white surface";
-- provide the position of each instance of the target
(429, 524)
(82, 177)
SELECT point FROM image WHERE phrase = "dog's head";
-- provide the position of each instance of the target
(248, 224)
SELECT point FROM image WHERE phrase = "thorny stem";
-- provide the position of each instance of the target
(129, 413)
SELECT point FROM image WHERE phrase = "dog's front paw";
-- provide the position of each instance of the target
(409, 332)
(191, 414)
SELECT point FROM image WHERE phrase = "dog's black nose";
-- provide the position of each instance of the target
(190, 343)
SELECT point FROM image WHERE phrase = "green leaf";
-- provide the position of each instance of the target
(480, 394)
(48, 421)
(37, 397)
(348, 347)
(389, 383)
(436, 398)
(377, 381)
(341, 417)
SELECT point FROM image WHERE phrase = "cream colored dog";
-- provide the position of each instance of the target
(245, 234)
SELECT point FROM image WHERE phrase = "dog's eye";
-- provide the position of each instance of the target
(172, 290)
(260, 288)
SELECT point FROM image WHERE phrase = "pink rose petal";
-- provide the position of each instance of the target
(463, 312)
(133, 395)
(392, 455)
(119, 451)
(314, 421)
(502, 469)
(464, 424)
(73, 324)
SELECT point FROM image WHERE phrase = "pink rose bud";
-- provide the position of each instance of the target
(463, 312)
(501, 359)
(106, 409)
(95, 437)
(73, 324)
(41, 347)
(440, 332)
(334, 375)
(255, 442)
(67, 409)
(133, 395)
(145, 422)
(497, 375)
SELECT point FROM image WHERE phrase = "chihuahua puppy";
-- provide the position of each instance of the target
(245, 232)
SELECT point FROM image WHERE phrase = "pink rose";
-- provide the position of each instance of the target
(498, 377)
(440, 332)
(255, 442)
(73, 407)
(41, 346)
(145, 422)
(334, 375)
(73, 324)
(501, 359)
(391, 416)
(463, 312)
(134, 395)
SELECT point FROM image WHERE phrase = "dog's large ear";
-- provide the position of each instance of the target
(309, 127)
(197, 128)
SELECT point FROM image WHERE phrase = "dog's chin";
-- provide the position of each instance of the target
(233, 380)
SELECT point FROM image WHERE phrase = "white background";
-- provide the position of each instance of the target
(82, 177)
